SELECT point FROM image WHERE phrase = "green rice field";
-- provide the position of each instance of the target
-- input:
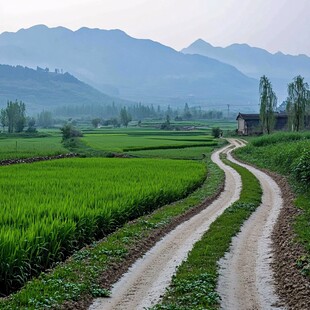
(130, 142)
(49, 209)
(11, 148)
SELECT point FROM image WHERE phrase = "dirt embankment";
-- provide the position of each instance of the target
(8, 162)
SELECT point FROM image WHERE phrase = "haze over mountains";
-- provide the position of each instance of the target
(255, 62)
(134, 69)
(41, 89)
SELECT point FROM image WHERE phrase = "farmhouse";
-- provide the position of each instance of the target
(249, 124)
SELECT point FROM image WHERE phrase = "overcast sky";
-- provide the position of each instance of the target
(276, 25)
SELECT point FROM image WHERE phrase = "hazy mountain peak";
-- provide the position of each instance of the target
(135, 69)
(255, 62)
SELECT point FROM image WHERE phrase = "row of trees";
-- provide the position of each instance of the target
(297, 104)
(13, 116)
(138, 112)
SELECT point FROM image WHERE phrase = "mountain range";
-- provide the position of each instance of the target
(256, 62)
(134, 69)
(41, 89)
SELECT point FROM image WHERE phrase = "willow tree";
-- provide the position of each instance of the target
(297, 103)
(268, 104)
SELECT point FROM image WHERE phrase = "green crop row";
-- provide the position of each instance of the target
(183, 153)
(49, 209)
(194, 285)
(128, 142)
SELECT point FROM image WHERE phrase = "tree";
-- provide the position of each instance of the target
(124, 117)
(3, 118)
(166, 125)
(268, 104)
(187, 114)
(297, 103)
(95, 122)
(216, 132)
(68, 132)
(31, 125)
(45, 119)
(16, 116)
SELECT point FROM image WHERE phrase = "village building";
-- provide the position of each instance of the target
(249, 124)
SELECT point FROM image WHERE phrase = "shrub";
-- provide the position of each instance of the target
(68, 131)
(301, 169)
(216, 132)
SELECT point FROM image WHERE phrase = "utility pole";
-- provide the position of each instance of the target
(228, 106)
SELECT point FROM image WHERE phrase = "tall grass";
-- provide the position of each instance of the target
(50, 209)
(280, 137)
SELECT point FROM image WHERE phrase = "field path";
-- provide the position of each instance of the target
(145, 282)
(245, 280)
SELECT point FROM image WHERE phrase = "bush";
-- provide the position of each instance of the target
(216, 132)
(301, 169)
(68, 132)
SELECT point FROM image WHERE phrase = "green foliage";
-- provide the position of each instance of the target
(95, 122)
(216, 132)
(301, 169)
(62, 206)
(268, 104)
(278, 137)
(15, 116)
(297, 102)
(125, 117)
(194, 285)
(45, 119)
(69, 131)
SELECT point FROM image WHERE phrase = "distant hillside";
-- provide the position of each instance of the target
(40, 89)
(255, 62)
(140, 70)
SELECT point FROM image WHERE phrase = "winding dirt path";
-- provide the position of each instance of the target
(145, 282)
(245, 280)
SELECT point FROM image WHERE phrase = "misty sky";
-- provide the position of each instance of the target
(271, 24)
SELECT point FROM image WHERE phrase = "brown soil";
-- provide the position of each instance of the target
(292, 286)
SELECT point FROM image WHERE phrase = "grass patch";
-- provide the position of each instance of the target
(80, 275)
(194, 285)
(27, 147)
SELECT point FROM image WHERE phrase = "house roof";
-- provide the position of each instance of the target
(248, 117)
(255, 117)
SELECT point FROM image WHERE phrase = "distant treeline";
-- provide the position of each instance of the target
(137, 112)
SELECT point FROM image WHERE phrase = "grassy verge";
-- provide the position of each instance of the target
(81, 276)
(194, 285)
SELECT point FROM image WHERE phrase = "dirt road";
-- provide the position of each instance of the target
(245, 280)
(147, 279)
